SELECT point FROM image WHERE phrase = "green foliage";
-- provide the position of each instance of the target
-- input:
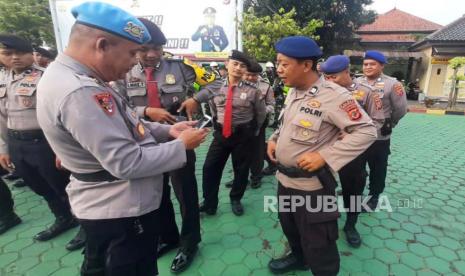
(29, 19)
(457, 62)
(340, 17)
(260, 33)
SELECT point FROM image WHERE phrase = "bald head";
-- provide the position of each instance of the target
(108, 55)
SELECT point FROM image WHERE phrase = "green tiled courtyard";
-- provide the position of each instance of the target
(424, 235)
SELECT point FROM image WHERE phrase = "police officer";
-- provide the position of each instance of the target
(394, 102)
(25, 148)
(253, 76)
(43, 57)
(169, 81)
(353, 175)
(8, 218)
(239, 112)
(213, 36)
(116, 159)
(305, 147)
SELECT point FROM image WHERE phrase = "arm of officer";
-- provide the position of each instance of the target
(107, 136)
(259, 108)
(3, 127)
(398, 103)
(349, 117)
(269, 100)
(208, 91)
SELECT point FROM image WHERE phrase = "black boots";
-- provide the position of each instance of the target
(288, 263)
(8, 221)
(78, 241)
(352, 236)
(60, 225)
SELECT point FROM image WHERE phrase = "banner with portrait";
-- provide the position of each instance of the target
(200, 28)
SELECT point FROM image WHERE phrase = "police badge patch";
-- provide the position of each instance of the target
(352, 110)
(26, 101)
(398, 89)
(105, 100)
(378, 102)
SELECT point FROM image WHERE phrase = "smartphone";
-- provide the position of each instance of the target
(203, 122)
(180, 118)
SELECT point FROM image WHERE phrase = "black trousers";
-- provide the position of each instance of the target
(6, 199)
(377, 158)
(311, 236)
(239, 146)
(259, 152)
(184, 184)
(353, 180)
(35, 162)
(122, 246)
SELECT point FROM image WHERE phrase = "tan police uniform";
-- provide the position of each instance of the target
(394, 102)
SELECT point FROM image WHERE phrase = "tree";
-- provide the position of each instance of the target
(29, 19)
(340, 17)
(455, 63)
(260, 33)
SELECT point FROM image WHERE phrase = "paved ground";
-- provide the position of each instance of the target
(425, 238)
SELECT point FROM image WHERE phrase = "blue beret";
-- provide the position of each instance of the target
(335, 64)
(376, 55)
(158, 37)
(111, 19)
(298, 47)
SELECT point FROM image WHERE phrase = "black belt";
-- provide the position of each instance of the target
(236, 128)
(99, 176)
(26, 135)
(294, 172)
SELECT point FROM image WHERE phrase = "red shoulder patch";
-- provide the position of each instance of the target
(352, 110)
(398, 89)
(105, 100)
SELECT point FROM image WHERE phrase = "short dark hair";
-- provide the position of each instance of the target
(313, 59)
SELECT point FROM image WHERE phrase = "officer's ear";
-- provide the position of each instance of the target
(308, 65)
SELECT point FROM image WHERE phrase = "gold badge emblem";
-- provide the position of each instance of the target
(170, 79)
(140, 129)
(134, 30)
(314, 104)
(305, 133)
(305, 123)
(358, 95)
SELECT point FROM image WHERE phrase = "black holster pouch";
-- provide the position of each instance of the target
(386, 129)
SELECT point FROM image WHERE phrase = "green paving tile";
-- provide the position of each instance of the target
(425, 164)
(401, 269)
(444, 253)
(386, 256)
(6, 258)
(212, 268)
(438, 265)
(411, 260)
(459, 266)
(44, 268)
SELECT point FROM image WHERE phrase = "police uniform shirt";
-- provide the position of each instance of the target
(247, 104)
(213, 40)
(173, 79)
(91, 129)
(18, 101)
(3, 115)
(312, 121)
(267, 95)
(392, 95)
(370, 101)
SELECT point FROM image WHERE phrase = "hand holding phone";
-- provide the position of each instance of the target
(202, 123)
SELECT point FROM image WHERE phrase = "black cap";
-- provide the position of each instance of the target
(209, 11)
(51, 54)
(158, 38)
(254, 67)
(15, 42)
(240, 56)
